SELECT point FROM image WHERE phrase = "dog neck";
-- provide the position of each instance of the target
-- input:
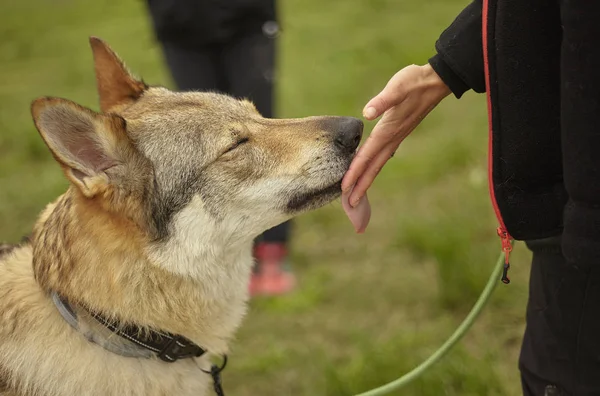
(103, 263)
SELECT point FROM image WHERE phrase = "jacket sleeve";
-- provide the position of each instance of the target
(459, 58)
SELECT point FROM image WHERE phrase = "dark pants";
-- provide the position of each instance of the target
(242, 68)
(561, 348)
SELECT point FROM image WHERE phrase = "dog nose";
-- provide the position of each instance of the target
(348, 134)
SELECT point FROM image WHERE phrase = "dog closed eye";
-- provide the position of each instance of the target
(237, 144)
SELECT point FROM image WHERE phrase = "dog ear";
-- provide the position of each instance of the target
(116, 85)
(86, 144)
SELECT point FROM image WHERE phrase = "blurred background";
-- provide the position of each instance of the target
(369, 307)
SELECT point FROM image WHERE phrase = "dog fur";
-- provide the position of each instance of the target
(167, 192)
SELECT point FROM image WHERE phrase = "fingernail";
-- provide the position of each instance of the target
(354, 202)
(346, 187)
(370, 112)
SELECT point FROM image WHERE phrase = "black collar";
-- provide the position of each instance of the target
(166, 346)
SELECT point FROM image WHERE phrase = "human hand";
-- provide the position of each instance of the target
(404, 102)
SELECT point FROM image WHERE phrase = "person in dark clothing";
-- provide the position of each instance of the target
(229, 47)
(538, 62)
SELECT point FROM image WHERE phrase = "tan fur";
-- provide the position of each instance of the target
(156, 229)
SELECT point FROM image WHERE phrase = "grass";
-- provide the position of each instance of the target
(369, 307)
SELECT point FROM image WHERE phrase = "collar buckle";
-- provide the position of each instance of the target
(179, 347)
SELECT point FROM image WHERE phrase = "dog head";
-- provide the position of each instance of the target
(184, 166)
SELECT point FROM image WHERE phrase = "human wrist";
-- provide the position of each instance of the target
(433, 82)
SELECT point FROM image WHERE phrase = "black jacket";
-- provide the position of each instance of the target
(192, 23)
(544, 113)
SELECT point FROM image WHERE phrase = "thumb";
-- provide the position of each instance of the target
(385, 100)
(392, 94)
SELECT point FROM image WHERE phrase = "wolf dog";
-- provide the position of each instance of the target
(135, 279)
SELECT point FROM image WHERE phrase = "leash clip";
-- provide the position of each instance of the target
(215, 373)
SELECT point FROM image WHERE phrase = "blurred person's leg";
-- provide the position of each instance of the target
(250, 63)
(197, 69)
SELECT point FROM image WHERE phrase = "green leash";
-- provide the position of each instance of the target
(450, 342)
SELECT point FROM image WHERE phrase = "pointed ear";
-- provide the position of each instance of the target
(85, 143)
(116, 85)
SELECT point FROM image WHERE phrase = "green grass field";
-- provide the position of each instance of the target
(370, 307)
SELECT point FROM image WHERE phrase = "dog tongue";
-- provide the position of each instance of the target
(360, 215)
